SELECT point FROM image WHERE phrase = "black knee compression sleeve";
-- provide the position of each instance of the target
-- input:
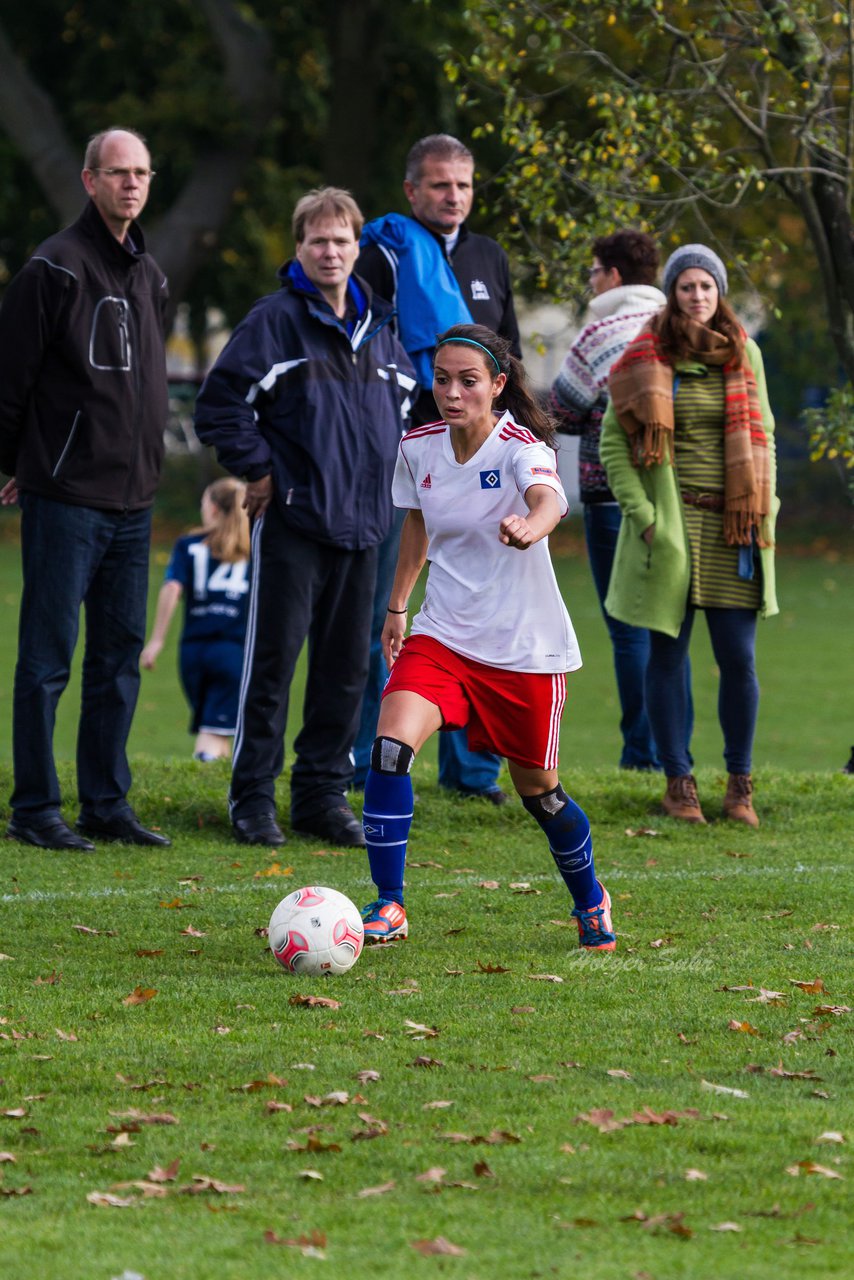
(388, 755)
(546, 805)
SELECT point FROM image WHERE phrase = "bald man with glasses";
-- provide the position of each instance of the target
(83, 403)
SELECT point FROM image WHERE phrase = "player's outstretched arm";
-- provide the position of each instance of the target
(522, 532)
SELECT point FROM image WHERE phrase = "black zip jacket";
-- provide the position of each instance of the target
(83, 391)
(292, 395)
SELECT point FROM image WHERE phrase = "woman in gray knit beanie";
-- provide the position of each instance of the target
(688, 446)
(695, 255)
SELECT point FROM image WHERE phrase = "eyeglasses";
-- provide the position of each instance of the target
(142, 175)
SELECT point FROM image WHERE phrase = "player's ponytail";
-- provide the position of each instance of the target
(228, 538)
(516, 396)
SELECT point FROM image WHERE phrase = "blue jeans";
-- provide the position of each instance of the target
(72, 556)
(733, 636)
(459, 768)
(630, 644)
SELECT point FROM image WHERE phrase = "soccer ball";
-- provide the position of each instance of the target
(315, 931)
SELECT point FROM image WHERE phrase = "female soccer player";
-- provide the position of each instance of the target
(210, 569)
(492, 643)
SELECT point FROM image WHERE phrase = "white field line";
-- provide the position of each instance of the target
(263, 884)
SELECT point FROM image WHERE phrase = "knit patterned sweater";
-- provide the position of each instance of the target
(579, 396)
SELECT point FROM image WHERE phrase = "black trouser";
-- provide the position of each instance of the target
(301, 588)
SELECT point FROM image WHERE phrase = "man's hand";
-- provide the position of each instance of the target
(9, 493)
(259, 495)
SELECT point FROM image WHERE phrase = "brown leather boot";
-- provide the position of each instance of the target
(738, 804)
(681, 800)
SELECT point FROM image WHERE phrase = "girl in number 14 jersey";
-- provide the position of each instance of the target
(209, 568)
(492, 643)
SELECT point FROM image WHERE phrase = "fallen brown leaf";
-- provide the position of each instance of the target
(813, 987)
(6, 1157)
(200, 1184)
(146, 955)
(141, 1117)
(375, 1191)
(810, 1166)
(311, 1246)
(176, 905)
(830, 1135)
(490, 968)
(496, 1138)
(50, 981)
(735, 1025)
(602, 1118)
(274, 869)
(695, 1175)
(439, 1246)
(168, 1174)
(315, 1002)
(780, 1074)
(544, 977)
(68, 1036)
(312, 1144)
(104, 1200)
(423, 1061)
(836, 1009)
(16, 1191)
(418, 1031)
(768, 997)
(726, 1226)
(140, 995)
(190, 932)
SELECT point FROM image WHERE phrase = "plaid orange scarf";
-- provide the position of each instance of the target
(641, 389)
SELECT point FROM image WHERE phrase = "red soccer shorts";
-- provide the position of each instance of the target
(513, 713)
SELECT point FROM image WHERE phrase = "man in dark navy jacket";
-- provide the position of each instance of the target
(466, 280)
(83, 403)
(305, 403)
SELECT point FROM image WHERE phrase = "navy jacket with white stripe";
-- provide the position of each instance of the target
(294, 396)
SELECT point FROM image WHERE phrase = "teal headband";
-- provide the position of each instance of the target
(471, 342)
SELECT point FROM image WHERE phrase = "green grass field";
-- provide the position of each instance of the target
(806, 716)
(481, 1101)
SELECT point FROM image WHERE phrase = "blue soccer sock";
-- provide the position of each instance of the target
(570, 842)
(386, 819)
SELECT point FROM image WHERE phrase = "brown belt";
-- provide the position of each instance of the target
(705, 501)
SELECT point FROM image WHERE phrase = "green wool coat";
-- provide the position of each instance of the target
(649, 584)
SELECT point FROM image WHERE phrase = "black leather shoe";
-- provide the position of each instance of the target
(53, 834)
(127, 828)
(259, 828)
(339, 825)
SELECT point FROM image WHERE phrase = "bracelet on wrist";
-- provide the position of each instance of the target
(397, 611)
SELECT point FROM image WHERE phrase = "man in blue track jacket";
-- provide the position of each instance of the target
(305, 403)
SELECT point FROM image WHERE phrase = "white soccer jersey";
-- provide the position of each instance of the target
(485, 600)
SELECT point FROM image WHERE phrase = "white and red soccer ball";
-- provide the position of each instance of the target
(314, 931)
